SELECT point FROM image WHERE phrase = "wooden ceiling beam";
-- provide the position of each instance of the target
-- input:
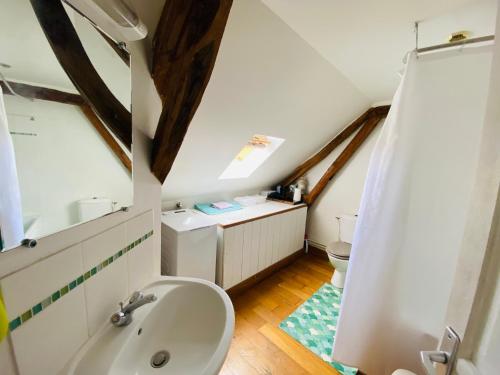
(310, 163)
(371, 123)
(382, 110)
(42, 93)
(107, 137)
(71, 54)
(185, 47)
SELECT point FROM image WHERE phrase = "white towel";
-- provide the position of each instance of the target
(11, 216)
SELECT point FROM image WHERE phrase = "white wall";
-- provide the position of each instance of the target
(147, 192)
(66, 161)
(267, 80)
(366, 40)
(342, 195)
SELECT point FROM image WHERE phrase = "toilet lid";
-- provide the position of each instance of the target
(339, 249)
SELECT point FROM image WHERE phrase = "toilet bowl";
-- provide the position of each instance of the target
(340, 251)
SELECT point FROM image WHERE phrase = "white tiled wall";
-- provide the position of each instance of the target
(106, 288)
(141, 261)
(6, 359)
(104, 291)
(25, 288)
(45, 343)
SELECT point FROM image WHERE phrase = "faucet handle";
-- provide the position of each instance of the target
(135, 297)
(121, 306)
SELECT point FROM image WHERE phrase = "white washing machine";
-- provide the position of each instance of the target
(188, 244)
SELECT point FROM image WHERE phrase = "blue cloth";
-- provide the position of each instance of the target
(209, 210)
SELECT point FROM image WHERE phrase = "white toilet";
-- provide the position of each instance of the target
(339, 251)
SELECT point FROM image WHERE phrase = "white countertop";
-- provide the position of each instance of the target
(252, 212)
(186, 219)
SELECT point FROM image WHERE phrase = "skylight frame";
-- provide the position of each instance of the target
(238, 169)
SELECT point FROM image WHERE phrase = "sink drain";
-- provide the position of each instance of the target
(160, 359)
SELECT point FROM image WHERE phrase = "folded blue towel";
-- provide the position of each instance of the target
(208, 209)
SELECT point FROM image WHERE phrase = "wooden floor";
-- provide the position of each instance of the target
(259, 347)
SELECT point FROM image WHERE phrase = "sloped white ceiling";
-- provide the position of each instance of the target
(301, 70)
(366, 40)
(267, 80)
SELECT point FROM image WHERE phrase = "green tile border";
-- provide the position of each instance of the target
(58, 294)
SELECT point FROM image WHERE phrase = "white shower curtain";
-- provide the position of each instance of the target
(412, 213)
(11, 217)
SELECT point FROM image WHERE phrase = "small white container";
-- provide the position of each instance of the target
(250, 200)
(297, 195)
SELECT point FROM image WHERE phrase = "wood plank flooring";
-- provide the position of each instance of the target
(259, 346)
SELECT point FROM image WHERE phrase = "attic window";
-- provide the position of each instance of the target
(251, 156)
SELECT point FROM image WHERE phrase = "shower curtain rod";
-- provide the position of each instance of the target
(456, 44)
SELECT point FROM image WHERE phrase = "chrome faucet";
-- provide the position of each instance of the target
(124, 316)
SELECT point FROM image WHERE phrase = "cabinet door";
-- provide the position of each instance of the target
(255, 249)
(292, 244)
(233, 254)
(300, 228)
(250, 264)
(275, 226)
(264, 250)
(269, 236)
(288, 229)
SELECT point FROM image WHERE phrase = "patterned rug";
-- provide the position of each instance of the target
(314, 325)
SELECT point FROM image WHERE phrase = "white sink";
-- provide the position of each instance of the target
(192, 320)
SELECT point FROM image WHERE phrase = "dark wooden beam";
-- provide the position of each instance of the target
(333, 144)
(326, 150)
(122, 53)
(185, 44)
(371, 123)
(382, 110)
(42, 93)
(107, 137)
(70, 53)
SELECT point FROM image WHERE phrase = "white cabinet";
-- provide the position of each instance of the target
(245, 248)
(230, 256)
(189, 244)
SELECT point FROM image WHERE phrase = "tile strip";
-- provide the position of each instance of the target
(42, 305)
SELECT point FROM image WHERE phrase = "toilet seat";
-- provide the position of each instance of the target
(339, 250)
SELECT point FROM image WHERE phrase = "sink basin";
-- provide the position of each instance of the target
(188, 330)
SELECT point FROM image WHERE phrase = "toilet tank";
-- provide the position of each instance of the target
(347, 223)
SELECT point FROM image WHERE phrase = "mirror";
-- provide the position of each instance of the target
(66, 165)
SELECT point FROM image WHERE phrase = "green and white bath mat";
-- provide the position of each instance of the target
(314, 325)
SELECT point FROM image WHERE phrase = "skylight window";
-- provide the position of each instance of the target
(251, 156)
